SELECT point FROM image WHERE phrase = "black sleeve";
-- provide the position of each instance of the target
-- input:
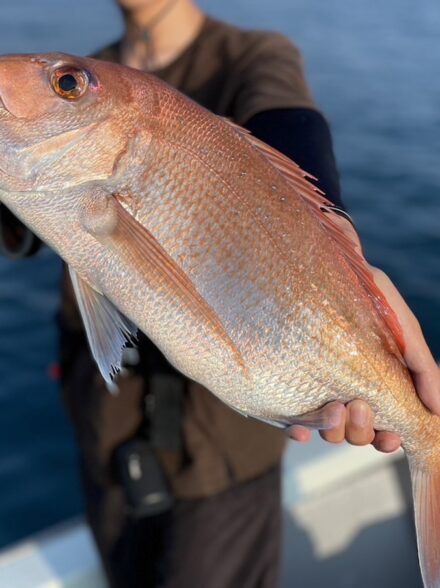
(16, 240)
(303, 135)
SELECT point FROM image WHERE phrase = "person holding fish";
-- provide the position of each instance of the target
(181, 490)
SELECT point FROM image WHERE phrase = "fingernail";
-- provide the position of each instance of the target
(359, 415)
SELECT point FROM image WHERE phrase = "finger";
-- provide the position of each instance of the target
(427, 387)
(425, 372)
(359, 423)
(300, 434)
(386, 442)
(336, 434)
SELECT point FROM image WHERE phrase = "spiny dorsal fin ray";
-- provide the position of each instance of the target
(329, 217)
(108, 331)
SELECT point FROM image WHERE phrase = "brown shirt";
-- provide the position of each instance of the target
(234, 73)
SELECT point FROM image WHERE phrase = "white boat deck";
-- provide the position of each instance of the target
(347, 525)
(64, 557)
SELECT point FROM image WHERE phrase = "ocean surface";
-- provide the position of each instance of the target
(373, 67)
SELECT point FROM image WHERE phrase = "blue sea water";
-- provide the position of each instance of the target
(373, 67)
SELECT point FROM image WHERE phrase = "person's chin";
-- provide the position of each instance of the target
(137, 4)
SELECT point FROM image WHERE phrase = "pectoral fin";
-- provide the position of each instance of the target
(106, 219)
(108, 331)
(109, 222)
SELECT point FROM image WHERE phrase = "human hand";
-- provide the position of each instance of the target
(354, 422)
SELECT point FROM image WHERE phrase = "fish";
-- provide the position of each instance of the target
(179, 223)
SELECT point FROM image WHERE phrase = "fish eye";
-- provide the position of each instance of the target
(69, 83)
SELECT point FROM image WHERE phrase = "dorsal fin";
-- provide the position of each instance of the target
(329, 217)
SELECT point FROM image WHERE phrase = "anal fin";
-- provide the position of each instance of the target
(321, 419)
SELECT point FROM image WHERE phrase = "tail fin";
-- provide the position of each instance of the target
(426, 492)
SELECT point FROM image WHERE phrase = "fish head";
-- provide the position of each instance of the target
(51, 106)
(65, 124)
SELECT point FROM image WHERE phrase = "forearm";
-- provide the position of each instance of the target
(302, 134)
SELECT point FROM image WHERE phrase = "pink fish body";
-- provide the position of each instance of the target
(214, 245)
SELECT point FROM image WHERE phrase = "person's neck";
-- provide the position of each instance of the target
(157, 35)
